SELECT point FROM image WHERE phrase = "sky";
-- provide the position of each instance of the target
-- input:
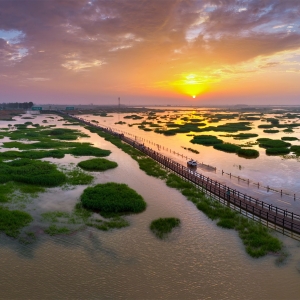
(175, 52)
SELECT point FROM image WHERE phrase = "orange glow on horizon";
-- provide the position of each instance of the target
(191, 85)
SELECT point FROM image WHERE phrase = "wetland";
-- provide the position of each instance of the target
(59, 227)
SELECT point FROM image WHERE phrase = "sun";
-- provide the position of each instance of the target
(191, 84)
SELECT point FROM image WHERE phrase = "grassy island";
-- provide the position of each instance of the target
(112, 199)
(162, 227)
(97, 164)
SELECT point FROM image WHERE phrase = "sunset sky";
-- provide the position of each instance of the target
(150, 51)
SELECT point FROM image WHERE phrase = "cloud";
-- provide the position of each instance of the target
(125, 42)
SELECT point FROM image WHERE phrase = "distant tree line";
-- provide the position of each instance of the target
(16, 105)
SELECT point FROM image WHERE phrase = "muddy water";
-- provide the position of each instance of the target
(198, 261)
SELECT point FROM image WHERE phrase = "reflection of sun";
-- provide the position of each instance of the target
(191, 84)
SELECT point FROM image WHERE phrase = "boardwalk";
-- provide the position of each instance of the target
(281, 220)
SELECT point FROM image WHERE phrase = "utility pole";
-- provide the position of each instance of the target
(119, 103)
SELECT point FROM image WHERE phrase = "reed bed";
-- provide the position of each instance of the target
(97, 164)
(112, 198)
(162, 227)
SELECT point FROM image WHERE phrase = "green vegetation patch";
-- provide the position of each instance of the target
(248, 153)
(31, 172)
(277, 151)
(271, 131)
(227, 147)
(89, 151)
(32, 154)
(55, 230)
(181, 128)
(112, 198)
(133, 117)
(206, 140)
(191, 149)
(241, 136)
(113, 223)
(229, 127)
(269, 143)
(12, 221)
(78, 177)
(289, 138)
(296, 149)
(97, 164)
(162, 227)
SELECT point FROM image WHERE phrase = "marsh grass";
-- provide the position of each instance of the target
(289, 138)
(227, 147)
(269, 143)
(192, 150)
(56, 230)
(97, 164)
(12, 221)
(113, 223)
(78, 177)
(89, 151)
(241, 136)
(55, 216)
(32, 154)
(162, 227)
(112, 198)
(33, 172)
(271, 131)
(206, 140)
(248, 153)
(277, 151)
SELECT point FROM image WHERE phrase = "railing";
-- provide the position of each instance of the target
(268, 212)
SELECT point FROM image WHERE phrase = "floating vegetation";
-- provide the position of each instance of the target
(78, 177)
(112, 223)
(227, 147)
(271, 131)
(120, 123)
(206, 140)
(133, 117)
(112, 199)
(269, 143)
(12, 221)
(89, 151)
(32, 154)
(248, 153)
(277, 151)
(289, 138)
(178, 128)
(192, 150)
(31, 172)
(162, 227)
(229, 127)
(241, 136)
(55, 230)
(296, 149)
(97, 164)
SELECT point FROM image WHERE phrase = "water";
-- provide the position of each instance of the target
(273, 171)
(198, 261)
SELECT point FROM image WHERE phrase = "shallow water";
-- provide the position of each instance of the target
(273, 171)
(198, 261)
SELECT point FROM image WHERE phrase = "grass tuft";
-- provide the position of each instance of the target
(162, 227)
